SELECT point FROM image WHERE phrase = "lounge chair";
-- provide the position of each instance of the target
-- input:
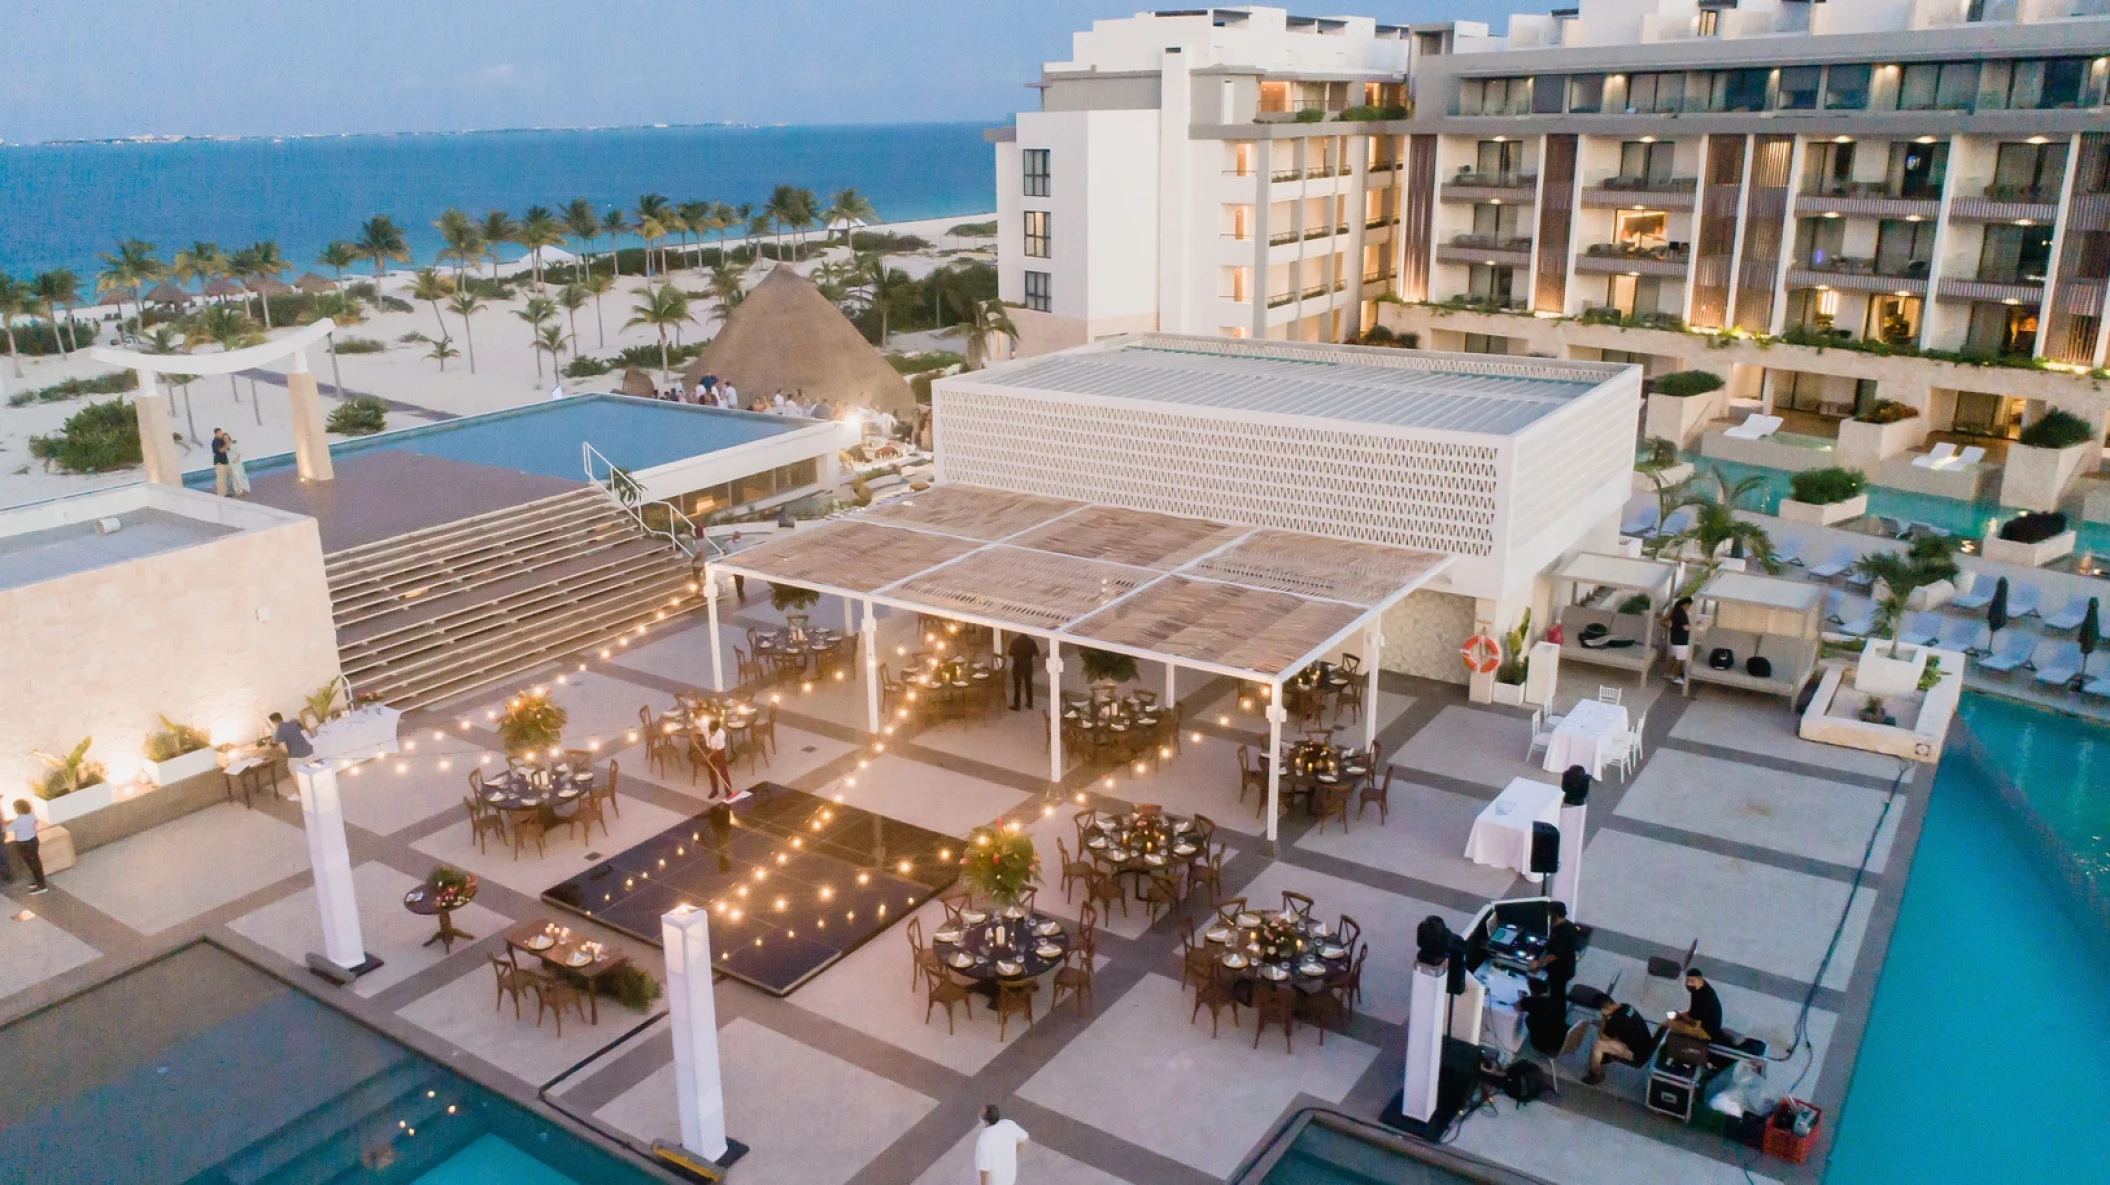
(1916, 527)
(1893, 527)
(1679, 520)
(2095, 674)
(1961, 633)
(2061, 665)
(1857, 578)
(2022, 599)
(1974, 592)
(1643, 522)
(2011, 649)
(1969, 458)
(1834, 604)
(1755, 427)
(1788, 549)
(2069, 617)
(1863, 624)
(1843, 557)
(1940, 455)
(1920, 629)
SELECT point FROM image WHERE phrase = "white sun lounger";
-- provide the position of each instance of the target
(1960, 633)
(2060, 665)
(1856, 578)
(1969, 458)
(1834, 601)
(2069, 617)
(1679, 519)
(1940, 455)
(1643, 522)
(2095, 674)
(1843, 557)
(2011, 649)
(1977, 596)
(1920, 629)
(2022, 599)
(1862, 625)
(1755, 427)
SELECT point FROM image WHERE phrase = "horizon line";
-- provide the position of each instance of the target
(154, 138)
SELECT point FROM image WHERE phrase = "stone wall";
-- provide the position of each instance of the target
(1423, 634)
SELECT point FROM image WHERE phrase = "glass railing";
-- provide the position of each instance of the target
(1667, 253)
(1494, 180)
(1874, 191)
(1847, 265)
(2029, 194)
(1650, 184)
(1491, 242)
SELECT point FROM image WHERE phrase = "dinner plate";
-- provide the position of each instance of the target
(946, 936)
(1117, 854)
(1275, 973)
(1234, 960)
(1312, 969)
(540, 942)
(1048, 950)
(1153, 858)
(567, 792)
(1007, 967)
(1048, 928)
(494, 796)
(973, 917)
(1319, 928)
(962, 959)
(1217, 933)
(1014, 912)
(1247, 919)
(577, 958)
(1097, 841)
(1185, 849)
(1333, 952)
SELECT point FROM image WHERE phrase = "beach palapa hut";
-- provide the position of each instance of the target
(313, 284)
(637, 382)
(221, 286)
(168, 294)
(786, 336)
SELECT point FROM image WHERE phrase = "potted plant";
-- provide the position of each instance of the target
(531, 722)
(1516, 663)
(1106, 666)
(1680, 404)
(790, 598)
(2045, 459)
(999, 864)
(1884, 430)
(631, 986)
(1825, 496)
(1657, 465)
(450, 887)
(2032, 539)
(177, 751)
(72, 785)
(322, 703)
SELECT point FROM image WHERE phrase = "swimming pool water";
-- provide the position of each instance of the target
(490, 1160)
(1987, 1055)
(2061, 764)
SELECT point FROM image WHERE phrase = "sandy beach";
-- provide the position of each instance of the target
(505, 374)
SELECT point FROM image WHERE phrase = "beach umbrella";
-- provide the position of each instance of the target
(1996, 613)
(167, 293)
(313, 284)
(2091, 627)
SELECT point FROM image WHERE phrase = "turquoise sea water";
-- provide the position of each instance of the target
(61, 204)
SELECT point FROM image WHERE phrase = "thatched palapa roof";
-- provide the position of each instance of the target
(637, 382)
(786, 336)
(269, 286)
(313, 284)
(167, 293)
(222, 286)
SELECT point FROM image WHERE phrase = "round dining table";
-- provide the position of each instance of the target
(1009, 945)
(1118, 844)
(1322, 961)
(532, 787)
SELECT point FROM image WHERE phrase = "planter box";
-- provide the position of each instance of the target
(1643, 484)
(1510, 694)
(175, 769)
(1928, 597)
(72, 806)
(2028, 555)
(1680, 418)
(2036, 478)
(1865, 446)
(1887, 668)
(1823, 514)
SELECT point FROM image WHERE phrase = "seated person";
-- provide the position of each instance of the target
(1622, 1036)
(1545, 1019)
(289, 738)
(1703, 1012)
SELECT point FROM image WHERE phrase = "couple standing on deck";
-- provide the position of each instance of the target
(229, 476)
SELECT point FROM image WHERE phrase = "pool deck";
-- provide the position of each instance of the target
(1732, 831)
(379, 495)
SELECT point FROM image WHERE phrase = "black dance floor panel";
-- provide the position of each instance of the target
(793, 882)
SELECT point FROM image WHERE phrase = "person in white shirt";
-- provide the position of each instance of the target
(728, 397)
(22, 832)
(996, 1149)
(721, 771)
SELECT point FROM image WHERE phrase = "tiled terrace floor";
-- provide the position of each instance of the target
(1732, 832)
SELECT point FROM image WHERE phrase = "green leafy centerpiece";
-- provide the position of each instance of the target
(1275, 940)
(450, 887)
(531, 722)
(1000, 864)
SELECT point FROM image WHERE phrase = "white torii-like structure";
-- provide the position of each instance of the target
(157, 441)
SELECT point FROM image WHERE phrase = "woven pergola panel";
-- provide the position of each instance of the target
(1137, 537)
(970, 512)
(849, 554)
(1255, 629)
(1030, 588)
(1312, 566)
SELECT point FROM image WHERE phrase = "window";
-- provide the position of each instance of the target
(1660, 94)
(1827, 241)
(1037, 234)
(1644, 164)
(1939, 86)
(1547, 90)
(2046, 84)
(1585, 93)
(1798, 89)
(1499, 159)
(1710, 22)
(1639, 230)
(1741, 90)
(1484, 343)
(2028, 172)
(1920, 169)
(2015, 254)
(1904, 248)
(1037, 291)
(1829, 167)
(1496, 224)
(1846, 88)
(1494, 96)
(1036, 160)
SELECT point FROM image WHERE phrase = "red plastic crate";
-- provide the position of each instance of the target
(1782, 1142)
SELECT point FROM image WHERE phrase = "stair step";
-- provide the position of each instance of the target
(267, 1157)
(631, 553)
(521, 605)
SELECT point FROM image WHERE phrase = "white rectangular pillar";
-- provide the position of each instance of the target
(1373, 650)
(692, 1011)
(157, 439)
(1055, 712)
(1172, 684)
(1424, 1042)
(1276, 716)
(1567, 879)
(322, 815)
(871, 646)
(710, 603)
(311, 444)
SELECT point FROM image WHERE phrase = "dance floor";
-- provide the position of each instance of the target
(793, 882)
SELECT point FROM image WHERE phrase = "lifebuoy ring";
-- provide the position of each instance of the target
(1481, 654)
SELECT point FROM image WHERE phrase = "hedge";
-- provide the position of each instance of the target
(1687, 382)
(1825, 486)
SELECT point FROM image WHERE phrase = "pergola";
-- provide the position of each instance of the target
(1252, 603)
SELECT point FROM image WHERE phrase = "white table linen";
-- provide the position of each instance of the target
(1586, 736)
(1501, 836)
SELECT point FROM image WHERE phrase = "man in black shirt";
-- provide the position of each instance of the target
(1023, 653)
(1563, 948)
(1704, 1011)
(1545, 1019)
(1622, 1036)
(1680, 638)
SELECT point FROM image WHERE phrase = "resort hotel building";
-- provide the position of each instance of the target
(1826, 204)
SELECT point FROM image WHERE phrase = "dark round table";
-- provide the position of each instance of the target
(1318, 967)
(1034, 945)
(515, 790)
(424, 903)
(1113, 845)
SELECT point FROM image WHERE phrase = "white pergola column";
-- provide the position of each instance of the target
(311, 447)
(692, 1011)
(1277, 715)
(1373, 646)
(322, 816)
(1055, 712)
(1172, 683)
(871, 648)
(849, 616)
(157, 437)
(710, 604)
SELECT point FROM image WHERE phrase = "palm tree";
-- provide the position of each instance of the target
(442, 349)
(163, 341)
(549, 340)
(538, 310)
(128, 271)
(571, 298)
(727, 287)
(653, 207)
(54, 289)
(538, 229)
(1715, 526)
(696, 218)
(581, 223)
(201, 262)
(14, 300)
(985, 321)
(498, 229)
(742, 219)
(881, 284)
(465, 305)
(805, 214)
(381, 242)
(343, 310)
(230, 328)
(849, 207)
(781, 208)
(759, 228)
(598, 284)
(464, 239)
(241, 267)
(662, 307)
(652, 230)
(432, 288)
(338, 256)
(1928, 559)
(264, 263)
(613, 224)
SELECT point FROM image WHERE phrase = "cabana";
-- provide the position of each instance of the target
(1761, 633)
(1594, 629)
(1252, 603)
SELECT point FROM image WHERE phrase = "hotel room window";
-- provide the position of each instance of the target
(1798, 88)
(1037, 291)
(1037, 234)
(1036, 171)
(1846, 87)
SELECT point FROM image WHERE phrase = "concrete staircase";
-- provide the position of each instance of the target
(428, 615)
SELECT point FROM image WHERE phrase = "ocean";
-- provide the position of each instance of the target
(61, 204)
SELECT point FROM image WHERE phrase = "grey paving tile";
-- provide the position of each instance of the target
(292, 926)
(1559, 1145)
(396, 794)
(1475, 745)
(33, 950)
(1761, 725)
(467, 1012)
(1763, 807)
(565, 854)
(185, 867)
(936, 799)
(1424, 839)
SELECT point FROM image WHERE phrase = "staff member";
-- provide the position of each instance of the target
(1623, 1036)
(22, 832)
(1703, 1012)
(1023, 653)
(1680, 638)
(1563, 949)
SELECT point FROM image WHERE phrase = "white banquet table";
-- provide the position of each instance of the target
(1501, 836)
(1584, 737)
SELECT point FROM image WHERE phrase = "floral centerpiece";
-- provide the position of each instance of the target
(450, 887)
(1149, 833)
(1276, 939)
(1000, 864)
(531, 722)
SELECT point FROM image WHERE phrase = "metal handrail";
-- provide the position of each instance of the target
(625, 491)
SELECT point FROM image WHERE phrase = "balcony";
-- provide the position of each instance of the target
(2008, 203)
(1861, 199)
(1486, 304)
(1284, 236)
(1626, 259)
(1488, 249)
(1657, 193)
(1281, 175)
(1468, 186)
(1849, 274)
(1993, 285)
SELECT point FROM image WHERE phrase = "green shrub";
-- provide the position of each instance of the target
(39, 338)
(1683, 383)
(530, 722)
(96, 439)
(1638, 603)
(115, 383)
(629, 985)
(893, 242)
(646, 356)
(1372, 112)
(393, 304)
(2058, 429)
(2033, 527)
(359, 345)
(362, 415)
(1106, 666)
(925, 361)
(1826, 486)
(1887, 411)
(974, 230)
(1311, 115)
(173, 740)
(586, 366)
(1657, 454)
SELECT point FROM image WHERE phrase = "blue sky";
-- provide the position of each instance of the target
(95, 68)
